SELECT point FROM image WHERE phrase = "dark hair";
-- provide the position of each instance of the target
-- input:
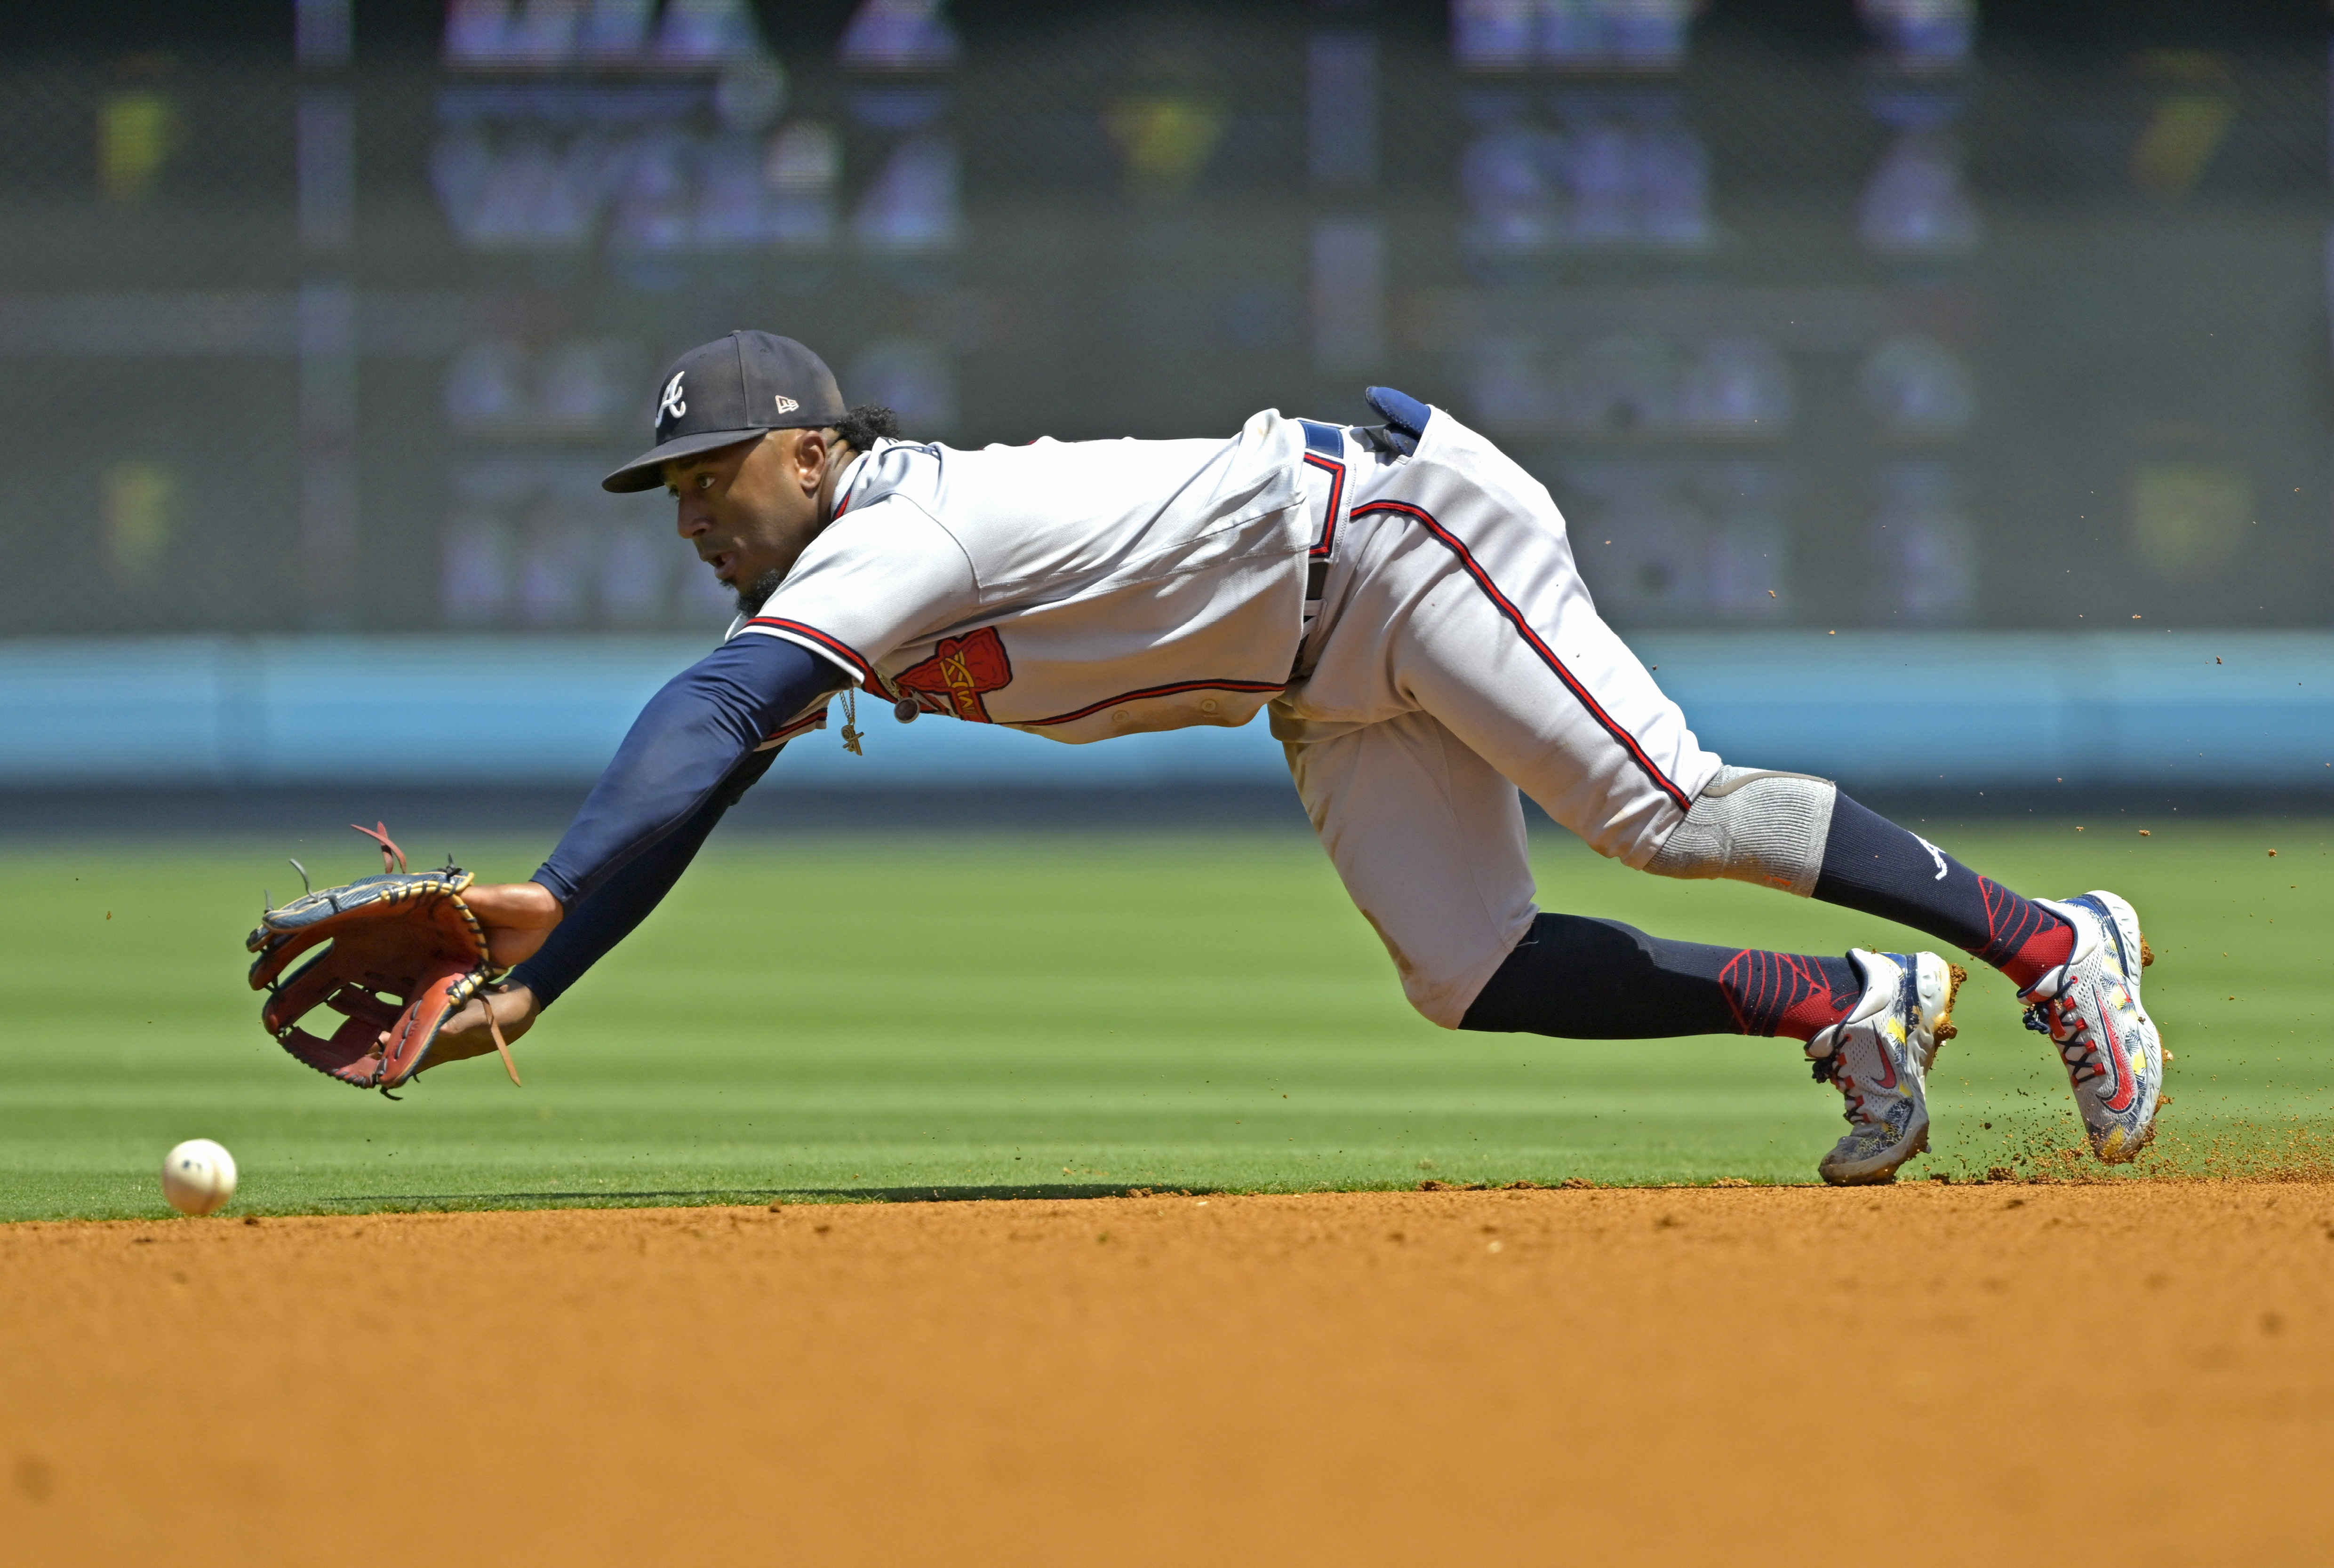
(867, 424)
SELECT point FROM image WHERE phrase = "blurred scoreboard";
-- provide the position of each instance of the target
(1877, 313)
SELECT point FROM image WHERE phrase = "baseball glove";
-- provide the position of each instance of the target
(406, 953)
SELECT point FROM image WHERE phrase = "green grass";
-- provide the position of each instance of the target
(903, 1015)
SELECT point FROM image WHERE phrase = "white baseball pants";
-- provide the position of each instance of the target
(1455, 659)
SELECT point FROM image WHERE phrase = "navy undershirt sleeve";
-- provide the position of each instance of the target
(621, 902)
(684, 746)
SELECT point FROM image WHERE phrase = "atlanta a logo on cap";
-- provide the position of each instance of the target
(671, 408)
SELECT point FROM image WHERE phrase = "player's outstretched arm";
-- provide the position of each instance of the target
(681, 751)
(626, 850)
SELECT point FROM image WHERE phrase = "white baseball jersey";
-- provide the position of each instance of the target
(1415, 620)
(1075, 589)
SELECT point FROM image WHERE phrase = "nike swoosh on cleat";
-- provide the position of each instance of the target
(1909, 1000)
(2126, 1089)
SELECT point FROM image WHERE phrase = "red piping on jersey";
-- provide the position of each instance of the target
(1094, 708)
(1548, 656)
(835, 646)
(1336, 492)
(810, 720)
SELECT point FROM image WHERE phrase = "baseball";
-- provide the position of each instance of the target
(198, 1177)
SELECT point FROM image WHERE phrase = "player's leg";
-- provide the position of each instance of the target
(1430, 844)
(1804, 835)
(2075, 962)
(1489, 627)
(1428, 840)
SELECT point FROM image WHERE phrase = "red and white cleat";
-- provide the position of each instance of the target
(2089, 1006)
(1878, 1058)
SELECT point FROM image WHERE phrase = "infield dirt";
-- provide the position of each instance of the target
(2128, 1372)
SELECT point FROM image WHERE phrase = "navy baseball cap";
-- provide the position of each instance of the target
(729, 390)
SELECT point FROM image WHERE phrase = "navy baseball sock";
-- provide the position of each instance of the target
(1871, 864)
(1585, 979)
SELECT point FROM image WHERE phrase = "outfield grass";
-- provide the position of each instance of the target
(900, 1015)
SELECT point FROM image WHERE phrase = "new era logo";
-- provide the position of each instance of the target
(786, 405)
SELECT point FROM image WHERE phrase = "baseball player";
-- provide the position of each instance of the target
(1403, 598)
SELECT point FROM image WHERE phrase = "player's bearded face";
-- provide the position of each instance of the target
(750, 510)
(752, 596)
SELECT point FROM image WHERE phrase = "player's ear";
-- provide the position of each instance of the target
(810, 454)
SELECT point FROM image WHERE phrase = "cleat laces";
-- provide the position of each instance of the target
(2059, 1019)
(1829, 1069)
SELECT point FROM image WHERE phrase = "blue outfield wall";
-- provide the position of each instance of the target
(1880, 710)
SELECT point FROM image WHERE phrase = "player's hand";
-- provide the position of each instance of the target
(517, 917)
(465, 1033)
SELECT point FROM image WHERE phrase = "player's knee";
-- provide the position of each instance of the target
(1445, 1008)
(1751, 826)
(1441, 998)
(1441, 968)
